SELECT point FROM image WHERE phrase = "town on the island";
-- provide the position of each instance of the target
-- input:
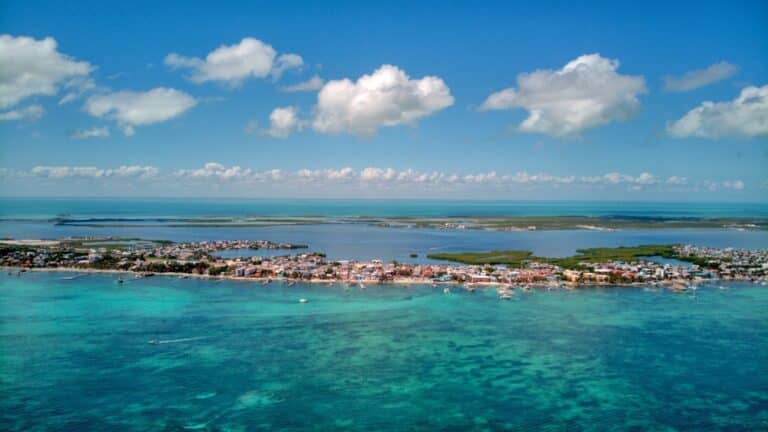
(677, 267)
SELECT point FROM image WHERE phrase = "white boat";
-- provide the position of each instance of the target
(446, 290)
(303, 300)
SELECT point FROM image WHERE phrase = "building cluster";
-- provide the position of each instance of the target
(729, 263)
(200, 250)
(198, 258)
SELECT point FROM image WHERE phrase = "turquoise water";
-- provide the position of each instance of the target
(200, 207)
(74, 356)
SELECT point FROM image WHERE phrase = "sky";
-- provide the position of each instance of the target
(662, 101)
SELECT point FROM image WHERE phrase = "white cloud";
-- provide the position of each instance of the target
(700, 77)
(34, 67)
(61, 172)
(231, 64)
(219, 172)
(94, 132)
(377, 174)
(375, 178)
(677, 180)
(586, 93)
(313, 84)
(131, 108)
(284, 121)
(646, 178)
(30, 113)
(286, 62)
(387, 97)
(345, 173)
(745, 116)
(76, 87)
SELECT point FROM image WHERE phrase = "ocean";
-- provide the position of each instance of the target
(237, 356)
(202, 207)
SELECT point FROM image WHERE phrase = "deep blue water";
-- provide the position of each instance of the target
(242, 356)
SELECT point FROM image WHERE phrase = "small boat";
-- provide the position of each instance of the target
(153, 342)
(362, 285)
(446, 290)
(506, 295)
(303, 300)
(120, 280)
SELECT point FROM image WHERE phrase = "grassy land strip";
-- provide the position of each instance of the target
(517, 258)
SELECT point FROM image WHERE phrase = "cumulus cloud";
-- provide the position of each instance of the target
(30, 113)
(586, 93)
(377, 174)
(131, 108)
(286, 62)
(677, 180)
(232, 64)
(345, 173)
(313, 84)
(377, 178)
(219, 172)
(33, 67)
(284, 121)
(94, 132)
(700, 77)
(61, 172)
(76, 88)
(745, 116)
(387, 97)
(733, 184)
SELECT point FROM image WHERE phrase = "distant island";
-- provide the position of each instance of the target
(505, 223)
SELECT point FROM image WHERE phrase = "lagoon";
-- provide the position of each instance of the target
(74, 355)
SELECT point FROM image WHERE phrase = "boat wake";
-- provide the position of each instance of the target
(171, 341)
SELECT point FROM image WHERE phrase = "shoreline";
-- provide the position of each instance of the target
(465, 285)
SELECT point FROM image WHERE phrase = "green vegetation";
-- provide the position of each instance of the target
(517, 258)
(112, 243)
(623, 253)
(508, 257)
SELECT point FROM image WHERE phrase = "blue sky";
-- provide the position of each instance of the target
(610, 127)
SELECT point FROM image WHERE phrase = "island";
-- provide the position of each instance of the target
(469, 222)
(674, 266)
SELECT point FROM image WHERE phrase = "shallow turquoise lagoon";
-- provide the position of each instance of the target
(244, 356)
